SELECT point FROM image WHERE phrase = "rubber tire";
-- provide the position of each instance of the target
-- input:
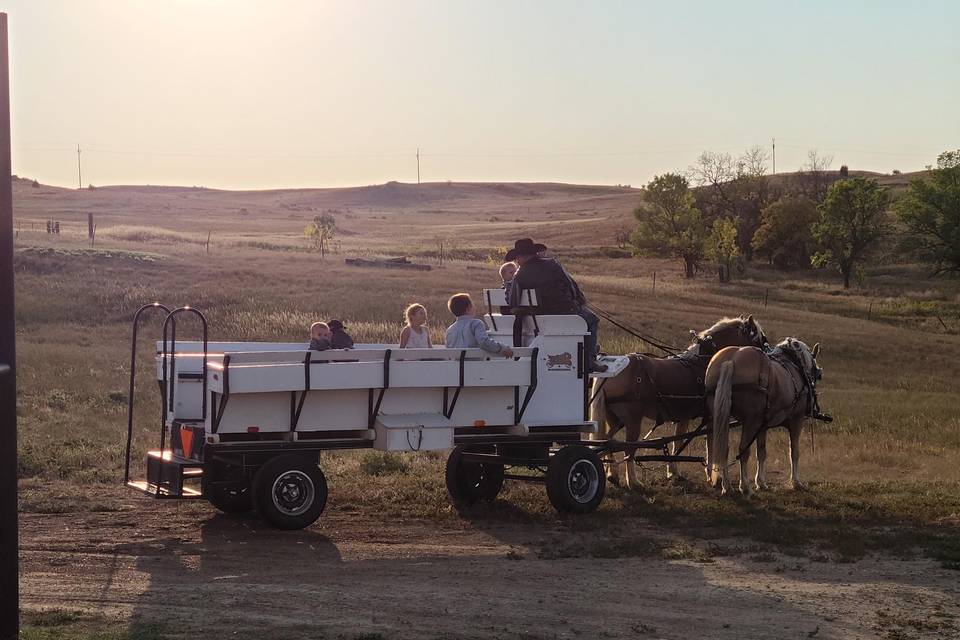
(558, 473)
(268, 474)
(236, 497)
(470, 482)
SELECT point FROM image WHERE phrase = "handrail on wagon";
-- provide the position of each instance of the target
(133, 375)
(170, 324)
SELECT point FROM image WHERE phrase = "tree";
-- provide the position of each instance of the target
(814, 178)
(668, 223)
(930, 210)
(948, 159)
(321, 231)
(735, 188)
(721, 246)
(785, 237)
(853, 220)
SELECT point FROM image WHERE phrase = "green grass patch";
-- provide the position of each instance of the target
(57, 624)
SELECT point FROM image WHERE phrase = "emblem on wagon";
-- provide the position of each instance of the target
(560, 362)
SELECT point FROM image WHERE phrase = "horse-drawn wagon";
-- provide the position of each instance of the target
(243, 423)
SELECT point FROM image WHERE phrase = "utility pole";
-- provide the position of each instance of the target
(418, 165)
(9, 584)
(774, 142)
(79, 178)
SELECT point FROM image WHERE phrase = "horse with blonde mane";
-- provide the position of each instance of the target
(664, 389)
(761, 390)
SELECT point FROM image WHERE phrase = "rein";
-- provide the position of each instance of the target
(653, 342)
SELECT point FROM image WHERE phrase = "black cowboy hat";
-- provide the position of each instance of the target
(524, 247)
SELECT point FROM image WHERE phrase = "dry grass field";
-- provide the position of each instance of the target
(872, 550)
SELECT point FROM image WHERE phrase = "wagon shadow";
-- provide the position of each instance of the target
(236, 577)
(194, 574)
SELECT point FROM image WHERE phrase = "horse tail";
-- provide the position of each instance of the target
(598, 409)
(722, 407)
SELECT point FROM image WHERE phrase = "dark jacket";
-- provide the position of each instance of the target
(557, 292)
(341, 340)
(319, 344)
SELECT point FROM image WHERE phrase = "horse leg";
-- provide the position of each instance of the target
(796, 429)
(632, 434)
(709, 454)
(612, 468)
(673, 473)
(761, 478)
(748, 432)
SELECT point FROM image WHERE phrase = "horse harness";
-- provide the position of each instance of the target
(694, 363)
(803, 386)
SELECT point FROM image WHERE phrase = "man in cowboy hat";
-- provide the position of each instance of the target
(557, 292)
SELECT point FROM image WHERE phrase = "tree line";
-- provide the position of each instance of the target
(727, 210)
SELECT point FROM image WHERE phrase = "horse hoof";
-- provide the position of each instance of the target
(614, 480)
(762, 486)
(798, 486)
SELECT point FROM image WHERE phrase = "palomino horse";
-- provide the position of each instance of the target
(761, 390)
(664, 389)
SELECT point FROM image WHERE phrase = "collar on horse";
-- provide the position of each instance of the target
(790, 360)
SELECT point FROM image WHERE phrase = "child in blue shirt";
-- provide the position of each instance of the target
(469, 331)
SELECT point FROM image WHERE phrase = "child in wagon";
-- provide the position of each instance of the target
(320, 336)
(469, 331)
(415, 335)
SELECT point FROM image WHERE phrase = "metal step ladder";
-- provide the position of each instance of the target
(167, 476)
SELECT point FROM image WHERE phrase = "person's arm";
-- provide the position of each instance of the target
(574, 287)
(487, 343)
(404, 337)
(513, 291)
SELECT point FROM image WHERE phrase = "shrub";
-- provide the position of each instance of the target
(382, 463)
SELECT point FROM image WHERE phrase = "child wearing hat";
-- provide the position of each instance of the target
(339, 339)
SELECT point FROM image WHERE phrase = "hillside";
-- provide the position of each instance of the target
(487, 213)
(462, 214)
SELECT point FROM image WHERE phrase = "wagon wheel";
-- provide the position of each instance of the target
(468, 482)
(290, 491)
(575, 480)
(226, 489)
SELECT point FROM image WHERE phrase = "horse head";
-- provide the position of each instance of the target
(754, 331)
(732, 332)
(805, 356)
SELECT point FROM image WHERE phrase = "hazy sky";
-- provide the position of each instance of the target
(242, 94)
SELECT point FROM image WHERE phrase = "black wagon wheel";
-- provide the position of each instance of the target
(575, 480)
(468, 481)
(290, 491)
(226, 488)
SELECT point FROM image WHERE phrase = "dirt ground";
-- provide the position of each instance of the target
(189, 569)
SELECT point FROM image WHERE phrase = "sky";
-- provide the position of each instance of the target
(247, 95)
